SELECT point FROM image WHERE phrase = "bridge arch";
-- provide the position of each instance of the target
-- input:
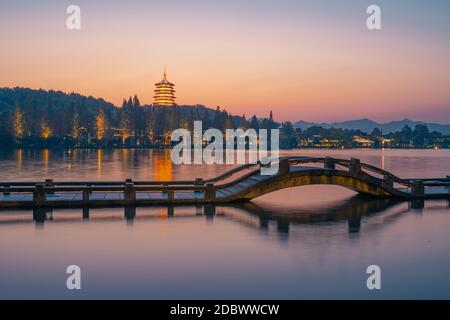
(362, 184)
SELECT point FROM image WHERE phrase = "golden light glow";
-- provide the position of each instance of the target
(99, 163)
(124, 136)
(167, 137)
(150, 134)
(46, 131)
(18, 123)
(46, 159)
(100, 125)
(164, 92)
(163, 167)
(75, 133)
(19, 160)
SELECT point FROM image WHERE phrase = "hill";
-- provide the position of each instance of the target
(367, 125)
(36, 118)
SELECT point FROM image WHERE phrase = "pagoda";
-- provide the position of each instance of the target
(164, 92)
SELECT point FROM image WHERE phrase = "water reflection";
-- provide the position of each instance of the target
(19, 159)
(163, 166)
(352, 210)
(417, 204)
(317, 240)
(130, 214)
(99, 163)
(40, 215)
(85, 213)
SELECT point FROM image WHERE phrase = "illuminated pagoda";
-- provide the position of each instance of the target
(164, 92)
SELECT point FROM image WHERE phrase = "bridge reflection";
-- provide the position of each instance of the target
(257, 216)
(351, 210)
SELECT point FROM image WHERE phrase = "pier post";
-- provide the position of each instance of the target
(354, 222)
(86, 192)
(129, 213)
(198, 182)
(210, 193)
(6, 189)
(284, 167)
(85, 213)
(416, 204)
(39, 195)
(210, 211)
(170, 195)
(418, 189)
(354, 166)
(283, 227)
(170, 211)
(329, 164)
(39, 216)
(264, 222)
(130, 192)
(49, 184)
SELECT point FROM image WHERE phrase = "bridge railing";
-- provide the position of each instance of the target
(349, 164)
(232, 172)
(41, 192)
(162, 185)
(52, 186)
(209, 185)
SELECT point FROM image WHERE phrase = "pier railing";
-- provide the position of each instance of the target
(129, 187)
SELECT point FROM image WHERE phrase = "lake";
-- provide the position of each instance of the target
(299, 243)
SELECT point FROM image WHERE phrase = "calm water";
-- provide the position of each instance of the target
(305, 242)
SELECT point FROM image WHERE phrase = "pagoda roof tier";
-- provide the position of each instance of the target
(164, 90)
(164, 84)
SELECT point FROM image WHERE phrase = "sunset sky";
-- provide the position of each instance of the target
(305, 60)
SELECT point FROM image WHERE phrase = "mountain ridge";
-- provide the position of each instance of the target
(367, 125)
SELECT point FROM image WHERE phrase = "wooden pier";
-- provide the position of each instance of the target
(242, 183)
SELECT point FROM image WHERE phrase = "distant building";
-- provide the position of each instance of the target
(164, 92)
(317, 141)
(362, 142)
(330, 143)
(386, 142)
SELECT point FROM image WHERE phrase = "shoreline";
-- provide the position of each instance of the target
(170, 146)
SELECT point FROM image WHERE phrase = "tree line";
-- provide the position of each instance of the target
(39, 118)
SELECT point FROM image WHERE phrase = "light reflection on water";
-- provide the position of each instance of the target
(305, 242)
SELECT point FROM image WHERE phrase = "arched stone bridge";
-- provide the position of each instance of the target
(351, 174)
(242, 183)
